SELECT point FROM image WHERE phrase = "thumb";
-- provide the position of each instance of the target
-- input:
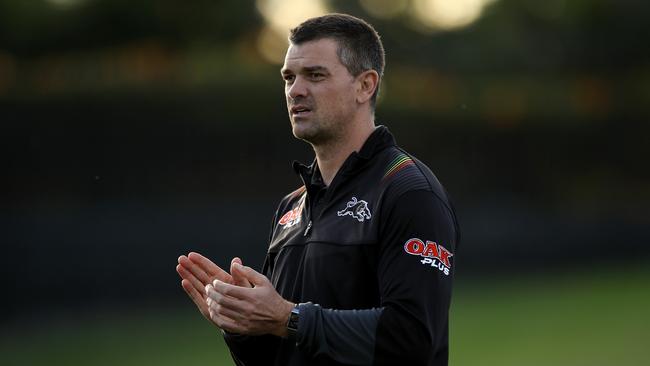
(251, 275)
(238, 276)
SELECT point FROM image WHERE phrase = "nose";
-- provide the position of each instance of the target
(297, 89)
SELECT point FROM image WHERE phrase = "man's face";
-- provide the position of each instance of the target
(320, 92)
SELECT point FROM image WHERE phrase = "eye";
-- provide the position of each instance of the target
(316, 75)
(288, 78)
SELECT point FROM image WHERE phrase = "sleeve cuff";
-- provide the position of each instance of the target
(308, 312)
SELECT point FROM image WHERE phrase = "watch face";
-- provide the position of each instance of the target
(293, 318)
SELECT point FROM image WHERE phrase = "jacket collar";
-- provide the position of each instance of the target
(380, 139)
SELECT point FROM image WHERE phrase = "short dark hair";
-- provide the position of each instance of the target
(359, 46)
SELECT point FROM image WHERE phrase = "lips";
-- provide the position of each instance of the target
(299, 109)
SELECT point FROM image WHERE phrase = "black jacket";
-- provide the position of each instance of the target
(370, 259)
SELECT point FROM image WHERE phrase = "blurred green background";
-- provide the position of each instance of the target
(134, 132)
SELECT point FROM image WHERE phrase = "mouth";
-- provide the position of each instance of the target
(300, 110)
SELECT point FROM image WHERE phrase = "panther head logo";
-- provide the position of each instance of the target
(357, 209)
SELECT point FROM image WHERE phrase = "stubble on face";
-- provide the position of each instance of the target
(319, 92)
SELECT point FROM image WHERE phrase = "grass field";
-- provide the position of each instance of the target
(590, 318)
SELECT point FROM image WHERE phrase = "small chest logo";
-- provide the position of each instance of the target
(357, 209)
(432, 254)
(292, 217)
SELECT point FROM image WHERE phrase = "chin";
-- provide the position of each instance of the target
(305, 133)
(302, 134)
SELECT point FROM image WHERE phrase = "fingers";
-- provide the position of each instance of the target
(237, 275)
(208, 267)
(214, 297)
(250, 274)
(216, 316)
(225, 311)
(191, 279)
(194, 269)
(222, 298)
(198, 271)
(234, 291)
(225, 323)
(196, 297)
(224, 305)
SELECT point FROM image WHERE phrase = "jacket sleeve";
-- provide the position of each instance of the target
(417, 241)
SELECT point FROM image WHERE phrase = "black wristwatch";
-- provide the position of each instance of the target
(292, 324)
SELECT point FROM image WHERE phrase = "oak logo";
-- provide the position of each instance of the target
(291, 218)
(432, 254)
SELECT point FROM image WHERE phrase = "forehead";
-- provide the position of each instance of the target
(322, 52)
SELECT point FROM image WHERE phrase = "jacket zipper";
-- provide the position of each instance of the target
(307, 229)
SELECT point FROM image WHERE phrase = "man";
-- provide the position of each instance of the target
(360, 262)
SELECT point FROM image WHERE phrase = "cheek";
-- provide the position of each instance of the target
(345, 100)
(341, 96)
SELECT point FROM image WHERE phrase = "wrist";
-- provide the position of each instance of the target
(281, 329)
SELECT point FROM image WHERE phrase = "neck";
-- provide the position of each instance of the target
(331, 156)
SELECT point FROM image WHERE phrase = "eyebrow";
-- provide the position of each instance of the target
(314, 68)
(306, 69)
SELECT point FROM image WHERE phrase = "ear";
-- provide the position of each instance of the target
(368, 83)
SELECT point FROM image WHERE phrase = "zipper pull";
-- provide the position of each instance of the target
(307, 229)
